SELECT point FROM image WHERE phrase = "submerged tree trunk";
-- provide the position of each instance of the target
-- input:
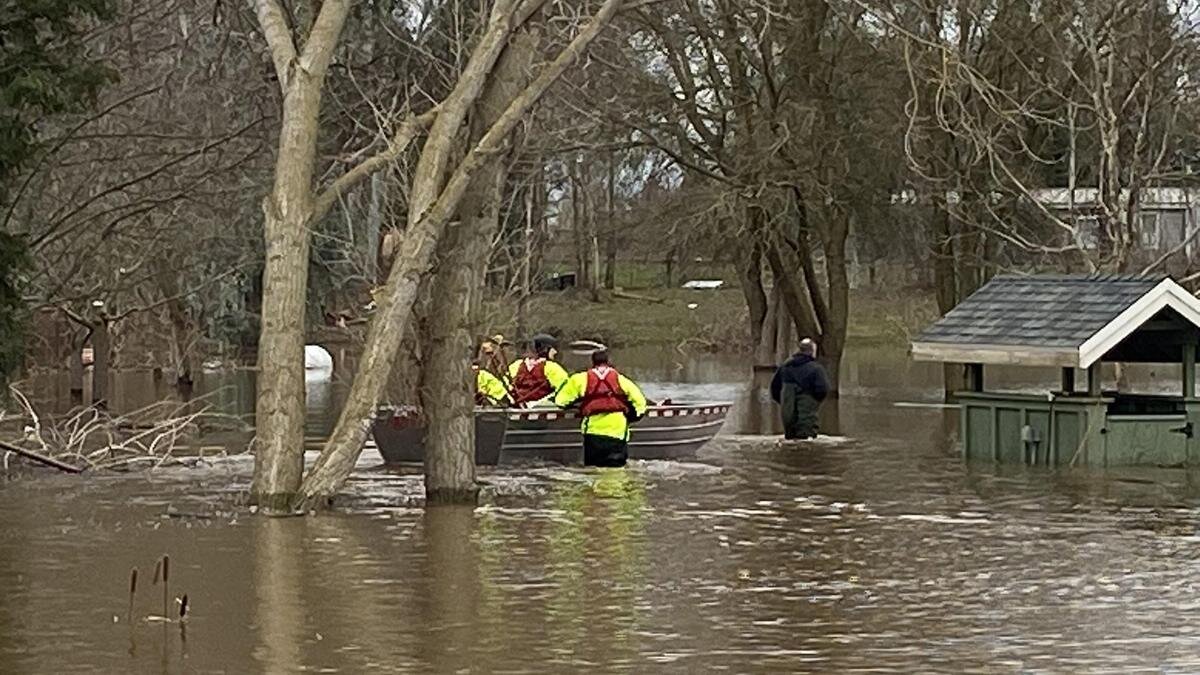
(414, 261)
(448, 392)
(288, 211)
(101, 359)
(279, 411)
(75, 367)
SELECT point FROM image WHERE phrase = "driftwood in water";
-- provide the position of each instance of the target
(634, 296)
(40, 458)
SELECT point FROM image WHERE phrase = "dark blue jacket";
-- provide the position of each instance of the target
(805, 373)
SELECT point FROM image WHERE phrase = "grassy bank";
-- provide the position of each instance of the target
(710, 320)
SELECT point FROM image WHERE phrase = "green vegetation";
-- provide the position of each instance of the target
(718, 322)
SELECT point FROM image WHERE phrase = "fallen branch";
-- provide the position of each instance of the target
(39, 458)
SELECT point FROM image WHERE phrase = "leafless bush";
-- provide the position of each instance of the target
(94, 439)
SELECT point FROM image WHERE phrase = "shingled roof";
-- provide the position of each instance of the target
(1068, 320)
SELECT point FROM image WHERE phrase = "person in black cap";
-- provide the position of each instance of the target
(799, 387)
(537, 376)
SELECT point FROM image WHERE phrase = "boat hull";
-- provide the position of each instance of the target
(401, 438)
(520, 436)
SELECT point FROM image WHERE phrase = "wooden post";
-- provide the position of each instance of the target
(1094, 380)
(1068, 380)
(975, 377)
(1189, 371)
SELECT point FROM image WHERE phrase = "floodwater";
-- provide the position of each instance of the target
(876, 550)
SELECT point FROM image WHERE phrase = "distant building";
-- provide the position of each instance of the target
(1167, 216)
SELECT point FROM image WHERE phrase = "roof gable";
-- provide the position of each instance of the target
(1068, 320)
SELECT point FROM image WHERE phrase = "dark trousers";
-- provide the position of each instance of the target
(604, 451)
(799, 412)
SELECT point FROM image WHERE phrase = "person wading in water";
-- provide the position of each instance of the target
(537, 376)
(799, 387)
(608, 402)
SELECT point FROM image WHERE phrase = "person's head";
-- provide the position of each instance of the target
(600, 357)
(808, 348)
(544, 346)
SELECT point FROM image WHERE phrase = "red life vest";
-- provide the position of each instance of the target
(531, 384)
(603, 393)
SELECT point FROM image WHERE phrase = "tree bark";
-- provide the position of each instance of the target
(288, 210)
(101, 359)
(750, 276)
(833, 330)
(448, 392)
(945, 281)
(412, 265)
(279, 410)
(610, 228)
(75, 367)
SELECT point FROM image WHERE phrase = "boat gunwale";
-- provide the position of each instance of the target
(684, 427)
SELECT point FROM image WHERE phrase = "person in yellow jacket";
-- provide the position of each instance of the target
(536, 377)
(489, 390)
(608, 401)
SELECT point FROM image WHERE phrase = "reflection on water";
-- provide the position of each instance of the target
(876, 551)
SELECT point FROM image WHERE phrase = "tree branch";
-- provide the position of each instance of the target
(279, 38)
(399, 142)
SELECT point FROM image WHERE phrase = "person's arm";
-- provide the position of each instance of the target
(491, 387)
(634, 394)
(777, 384)
(556, 375)
(513, 368)
(571, 391)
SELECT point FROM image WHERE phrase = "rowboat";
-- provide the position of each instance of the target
(514, 436)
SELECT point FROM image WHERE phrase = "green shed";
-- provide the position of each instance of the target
(1075, 323)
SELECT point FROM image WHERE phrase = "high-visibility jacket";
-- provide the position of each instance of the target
(489, 390)
(534, 379)
(612, 424)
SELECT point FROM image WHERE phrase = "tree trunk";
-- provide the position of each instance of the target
(287, 211)
(526, 264)
(583, 266)
(750, 276)
(279, 410)
(447, 396)
(75, 368)
(374, 231)
(448, 392)
(413, 264)
(767, 347)
(101, 359)
(833, 332)
(610, 231)
(945, 280)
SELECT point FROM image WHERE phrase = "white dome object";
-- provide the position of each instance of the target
(317, 359)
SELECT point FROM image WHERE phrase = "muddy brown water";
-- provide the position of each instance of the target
(877, 551)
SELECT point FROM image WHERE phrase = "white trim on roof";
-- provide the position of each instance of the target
(994, 355)
(1166, 294)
